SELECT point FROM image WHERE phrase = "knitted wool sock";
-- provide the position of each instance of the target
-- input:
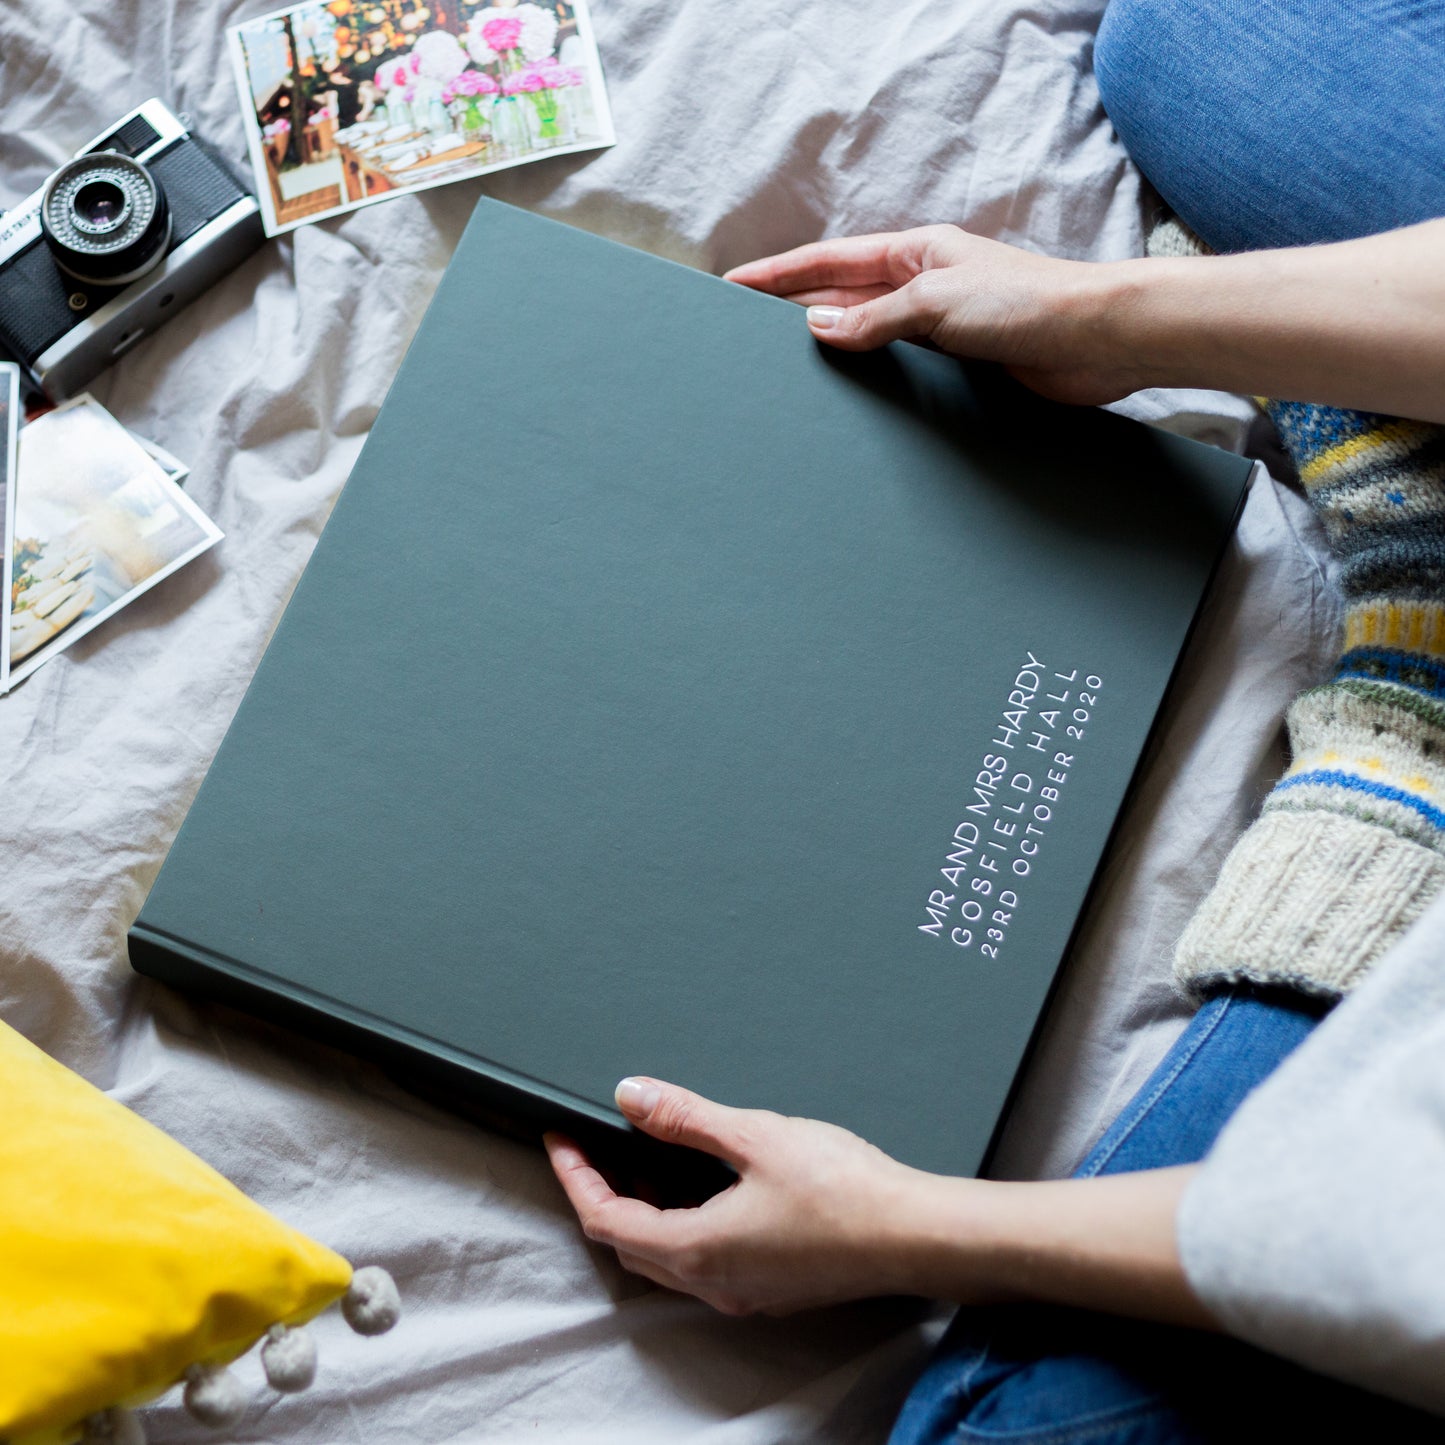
(1350, 846)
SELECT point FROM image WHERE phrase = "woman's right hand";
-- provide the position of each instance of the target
(817, 1216)
(1042, 318)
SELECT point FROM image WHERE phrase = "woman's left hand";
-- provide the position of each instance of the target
(1052, 323)
(809, 1220)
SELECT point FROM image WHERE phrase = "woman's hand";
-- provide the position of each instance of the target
(807, 1222)
(817, 1216)
(1040, 317)
(1356, 324)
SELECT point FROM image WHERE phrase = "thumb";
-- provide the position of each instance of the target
(900, 315)
(678, 1116)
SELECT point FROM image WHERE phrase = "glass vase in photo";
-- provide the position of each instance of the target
(567, 116)
(469, 116)
(543, 115)
(458, 90)
(510, 129)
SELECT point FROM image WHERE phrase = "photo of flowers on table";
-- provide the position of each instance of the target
(97, 522)
(352, 101)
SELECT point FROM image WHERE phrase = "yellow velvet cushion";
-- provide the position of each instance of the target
(123, 1258)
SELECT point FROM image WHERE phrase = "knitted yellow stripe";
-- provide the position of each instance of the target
(1404, 626)
(1402, 773)
(1402, 434)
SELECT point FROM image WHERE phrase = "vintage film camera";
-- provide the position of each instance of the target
(114, 243)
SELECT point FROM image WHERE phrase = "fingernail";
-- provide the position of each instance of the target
(637, 1097)
(824, 318)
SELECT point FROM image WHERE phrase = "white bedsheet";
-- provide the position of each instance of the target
(744, 128)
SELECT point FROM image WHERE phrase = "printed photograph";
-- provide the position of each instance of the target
(172, 466)
(97, 523)
(347, 102)
(9, 421)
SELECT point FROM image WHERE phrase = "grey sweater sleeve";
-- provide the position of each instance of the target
(1316, 1228)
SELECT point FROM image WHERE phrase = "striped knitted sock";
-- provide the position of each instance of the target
(1350, 846)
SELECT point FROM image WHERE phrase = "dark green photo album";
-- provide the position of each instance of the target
(669, 694)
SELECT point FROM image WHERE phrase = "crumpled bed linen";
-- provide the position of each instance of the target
(744, 128)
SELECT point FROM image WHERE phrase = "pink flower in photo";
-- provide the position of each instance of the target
(542, 75)
(503, 33)
(470, 82)
(553, 76)
(478, 82)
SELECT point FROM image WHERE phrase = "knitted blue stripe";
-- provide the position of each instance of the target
(1308, 430)
(1384, 665)
(1361, 785)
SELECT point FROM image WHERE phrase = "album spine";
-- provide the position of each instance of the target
(503, 1100)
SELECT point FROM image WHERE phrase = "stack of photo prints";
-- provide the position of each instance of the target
(93, 517)
(352, 101)
(345, 102)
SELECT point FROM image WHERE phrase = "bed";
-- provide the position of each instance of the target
(742, 129)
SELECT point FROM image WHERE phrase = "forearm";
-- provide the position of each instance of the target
(818, 1216)
(1358, 324)
(1105, 1244)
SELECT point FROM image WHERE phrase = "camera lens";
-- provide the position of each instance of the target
(99, 206)
(105, 219)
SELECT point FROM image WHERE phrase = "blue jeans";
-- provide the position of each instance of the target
(1281, 122)
(1261, 123)
(1036, 1375)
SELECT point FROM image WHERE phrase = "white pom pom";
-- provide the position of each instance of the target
(214, 1396)
(116, 1426)
(371, 1305)
(289, 1359)
(126, 1428)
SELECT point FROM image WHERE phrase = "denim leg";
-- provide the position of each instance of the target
(1236, 1040)
(1278, 124)
(1281, 122)
(1038, 1374)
